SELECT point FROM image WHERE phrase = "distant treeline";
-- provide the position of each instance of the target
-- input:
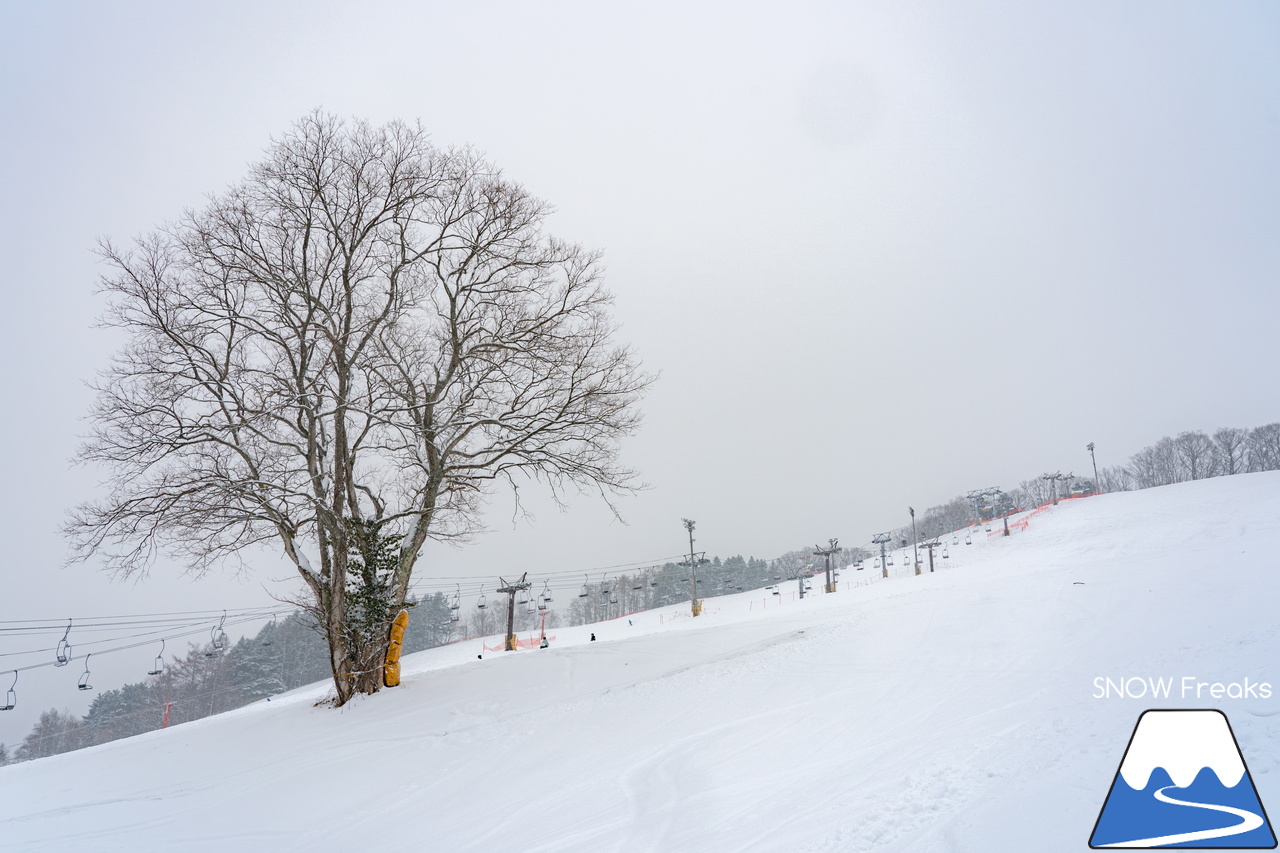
(1191, 455)
(1196, 455)
(661, 586)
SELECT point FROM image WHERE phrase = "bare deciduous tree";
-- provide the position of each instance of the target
(1195, 454)
(1231, 450)
(349, 348)
(1157, 465)
(1116, 478)
(1264, 448)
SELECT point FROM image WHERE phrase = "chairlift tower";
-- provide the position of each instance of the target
(880, 539)
(1054, 478)
(930, 545)
(833, 546)
(975, 501)
(510, 589)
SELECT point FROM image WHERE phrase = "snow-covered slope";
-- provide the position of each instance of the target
(949, 711)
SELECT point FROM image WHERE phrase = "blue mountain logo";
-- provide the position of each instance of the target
(1183, 783)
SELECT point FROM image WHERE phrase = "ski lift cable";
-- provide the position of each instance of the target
(199, 630)
(99, 625)
(568, 572)
(159, 632)
(152, 634)
(91, 620)
(425, 582)
(562, 580)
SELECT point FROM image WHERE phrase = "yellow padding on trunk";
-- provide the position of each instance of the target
(391, 671)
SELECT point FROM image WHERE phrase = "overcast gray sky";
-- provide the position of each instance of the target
(880, 253)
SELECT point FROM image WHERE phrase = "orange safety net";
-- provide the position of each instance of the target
(531, 643)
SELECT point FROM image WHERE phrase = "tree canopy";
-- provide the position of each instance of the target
(348, 349)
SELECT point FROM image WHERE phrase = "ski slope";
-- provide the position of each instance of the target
(952, 711)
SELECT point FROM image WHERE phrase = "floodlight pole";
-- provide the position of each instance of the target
(694, 605)
(915, 540)
(1097, 482)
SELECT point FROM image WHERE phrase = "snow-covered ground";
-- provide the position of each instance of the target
(950, 711)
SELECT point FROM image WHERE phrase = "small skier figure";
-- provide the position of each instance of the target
(593, 638)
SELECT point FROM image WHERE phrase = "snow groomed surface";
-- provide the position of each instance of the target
(949, 711)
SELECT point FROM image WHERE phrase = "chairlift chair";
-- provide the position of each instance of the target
(217, 642)
(11, 699)
(946, 553)
(158, 666)
(84, 676)
(888, 559)
(481, 602)
(217, 637)
(63, 652)
(968, 539)
(546, 592)
(266, 641)
(955, 540)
